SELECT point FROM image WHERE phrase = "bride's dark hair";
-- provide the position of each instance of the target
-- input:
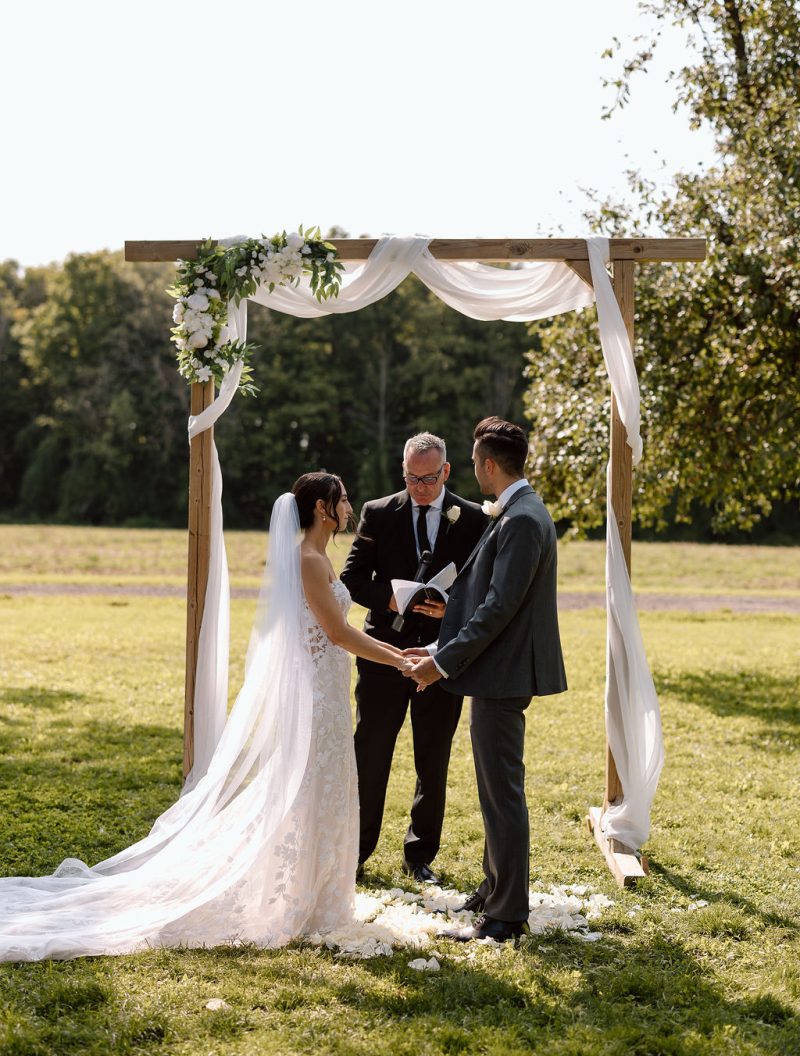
(313, 486)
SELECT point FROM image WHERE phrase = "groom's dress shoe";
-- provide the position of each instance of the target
(486, 927)
(421, 872)
(474, 904)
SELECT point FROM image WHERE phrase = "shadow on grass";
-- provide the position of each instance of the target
(80, 787)
(749, 911)
(555, 995)
(773, 700)
(35, 697)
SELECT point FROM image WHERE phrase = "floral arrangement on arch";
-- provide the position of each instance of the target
(204, 286)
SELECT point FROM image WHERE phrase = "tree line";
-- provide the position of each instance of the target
(95, 414)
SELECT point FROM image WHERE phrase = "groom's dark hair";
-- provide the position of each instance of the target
(503, 442)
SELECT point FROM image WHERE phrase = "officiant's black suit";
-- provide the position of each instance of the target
(385, 549)
(499, 644)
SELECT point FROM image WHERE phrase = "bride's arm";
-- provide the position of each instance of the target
(332, 620)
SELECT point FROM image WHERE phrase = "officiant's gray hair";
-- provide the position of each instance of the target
(423, 442)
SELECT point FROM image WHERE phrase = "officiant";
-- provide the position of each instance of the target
(395, 536)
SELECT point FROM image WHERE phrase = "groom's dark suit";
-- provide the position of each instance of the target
(385, 549)
(499, 644)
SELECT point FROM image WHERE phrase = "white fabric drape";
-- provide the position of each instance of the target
(526, 292)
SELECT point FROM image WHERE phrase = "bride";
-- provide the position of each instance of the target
(264, 847)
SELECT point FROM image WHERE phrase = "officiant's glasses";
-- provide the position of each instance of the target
(429, 478)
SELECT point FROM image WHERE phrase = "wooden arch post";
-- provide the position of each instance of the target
(625, 255)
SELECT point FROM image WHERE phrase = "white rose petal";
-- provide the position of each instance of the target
(453, 513)
(492, 509)
(216, 1004)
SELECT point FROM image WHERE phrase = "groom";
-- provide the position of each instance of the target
(392, 534)
(499, 644)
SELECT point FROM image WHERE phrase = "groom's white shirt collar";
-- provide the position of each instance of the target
(504, 496)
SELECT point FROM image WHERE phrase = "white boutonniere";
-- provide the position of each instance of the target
(492, 509)
(452, 513)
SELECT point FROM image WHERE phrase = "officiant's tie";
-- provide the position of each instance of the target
(422, 529)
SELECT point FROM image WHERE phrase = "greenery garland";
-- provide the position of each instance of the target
(204, 286)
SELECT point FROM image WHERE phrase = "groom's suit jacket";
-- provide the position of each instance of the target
(499, 636)
(384, 549)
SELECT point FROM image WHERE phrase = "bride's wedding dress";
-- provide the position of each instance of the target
(264, 848)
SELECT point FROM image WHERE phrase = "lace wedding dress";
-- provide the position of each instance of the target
(264, 848)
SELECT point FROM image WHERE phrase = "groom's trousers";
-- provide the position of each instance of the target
(497, 730)
(383, 698)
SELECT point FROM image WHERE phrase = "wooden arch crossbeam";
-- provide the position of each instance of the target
(625, 254)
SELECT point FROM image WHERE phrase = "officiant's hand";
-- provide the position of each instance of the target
(431, 607)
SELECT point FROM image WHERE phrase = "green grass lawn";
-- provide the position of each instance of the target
(90, 721)
(124, 556)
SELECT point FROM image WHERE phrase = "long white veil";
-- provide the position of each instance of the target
(201, 875)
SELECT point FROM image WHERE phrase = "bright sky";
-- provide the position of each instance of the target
(456, 118)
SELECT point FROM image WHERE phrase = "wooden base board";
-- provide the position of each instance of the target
(626, 866)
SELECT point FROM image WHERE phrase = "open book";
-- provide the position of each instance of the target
(407, 593)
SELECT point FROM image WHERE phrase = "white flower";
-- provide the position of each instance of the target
(177, 312)
(198, 282)
(306, 250)
(213, 293)
(492, 509)
(452, 513)
(330, 257)
(199, 339)
(294, 241)
(224, 335)
(203, 373)
(198, 301)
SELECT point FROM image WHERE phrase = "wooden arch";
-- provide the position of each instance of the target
(625, 255)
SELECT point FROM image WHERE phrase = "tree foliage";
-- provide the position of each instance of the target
(717, 344)
(95, 412)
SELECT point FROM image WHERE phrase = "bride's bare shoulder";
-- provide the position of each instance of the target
(314, 565)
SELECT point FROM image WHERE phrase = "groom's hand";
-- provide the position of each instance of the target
(425, 673)
(416, 652)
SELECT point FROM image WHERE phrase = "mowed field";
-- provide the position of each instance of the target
(51, 554)
(702, 958)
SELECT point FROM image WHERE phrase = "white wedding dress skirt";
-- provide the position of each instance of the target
(245, 856)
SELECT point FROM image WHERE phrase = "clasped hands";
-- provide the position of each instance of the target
(419, 665)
